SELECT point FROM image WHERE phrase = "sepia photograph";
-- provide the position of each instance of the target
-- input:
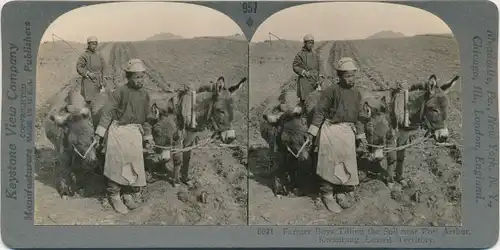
(355, 118)
(141, 117)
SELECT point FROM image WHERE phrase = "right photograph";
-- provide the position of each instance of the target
(355, 118)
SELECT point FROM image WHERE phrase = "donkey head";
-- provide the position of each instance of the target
(377, 126)
(75, 117)
(434, 106)
(221, 108)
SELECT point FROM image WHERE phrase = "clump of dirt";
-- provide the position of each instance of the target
(434, 166)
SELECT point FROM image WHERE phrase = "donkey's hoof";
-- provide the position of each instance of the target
(64, 189)
(297, 192)
(81, 192)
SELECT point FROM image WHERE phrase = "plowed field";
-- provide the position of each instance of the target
(221, 173)
(434, 196)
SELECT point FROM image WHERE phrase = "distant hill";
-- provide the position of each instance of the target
(164, 36)
(236, 37)
(239, 37)
(444, 35)
(386, 34)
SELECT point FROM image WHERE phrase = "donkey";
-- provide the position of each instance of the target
(379, 135)
(70, 128)
(426, 109)
(211, 108)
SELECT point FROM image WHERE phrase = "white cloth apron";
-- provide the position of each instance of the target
(337, 154)
(124, 162)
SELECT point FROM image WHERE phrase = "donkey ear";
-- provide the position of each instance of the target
(236, 87)
(171, 105)
(447, 86)
(432, 82)
(154, 107)
(367, 110)
(220, 85)
(155, 111)
(384, 106)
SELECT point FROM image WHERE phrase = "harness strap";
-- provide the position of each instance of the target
(86, 152)
(296, 155)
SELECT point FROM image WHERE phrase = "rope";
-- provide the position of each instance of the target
(201, 145)
(388, 149)
(449, 144)
(417, 141)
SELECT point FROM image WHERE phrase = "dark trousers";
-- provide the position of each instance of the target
(326, 187)
(114, 188)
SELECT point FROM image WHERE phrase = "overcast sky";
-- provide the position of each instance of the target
(326, 21)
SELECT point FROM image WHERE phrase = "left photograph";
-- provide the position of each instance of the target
(141, 117)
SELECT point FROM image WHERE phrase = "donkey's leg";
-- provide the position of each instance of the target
(279, 174)
(80, 177)
(391, 159)
(186, 157)
(63, 176)
(296, 175)
(403, 139)
(177, 162)
(289, 175)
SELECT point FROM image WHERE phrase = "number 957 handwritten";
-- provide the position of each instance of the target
(249, 7)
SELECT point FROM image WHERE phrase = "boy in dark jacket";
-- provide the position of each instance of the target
(124, 121)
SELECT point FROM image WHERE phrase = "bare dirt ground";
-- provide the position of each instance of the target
(220, 173)
(434, 194)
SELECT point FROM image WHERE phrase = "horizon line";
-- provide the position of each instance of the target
(228, 37)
